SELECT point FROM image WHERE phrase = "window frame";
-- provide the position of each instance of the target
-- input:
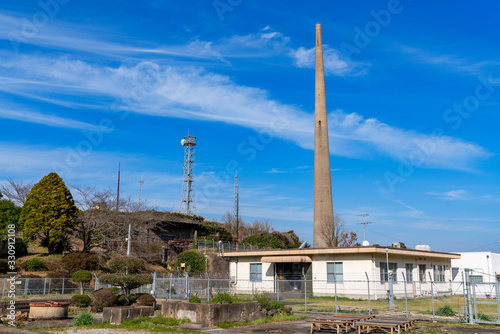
(335, 276)
(421, 273)
(439, 273)
(409, 273)
(384, 273)
(256, 275)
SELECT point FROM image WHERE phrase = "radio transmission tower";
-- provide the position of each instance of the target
(187, 203)
(236, 209)
(141, 182)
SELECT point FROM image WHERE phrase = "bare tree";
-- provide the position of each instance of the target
(16, 192)
(336, 234)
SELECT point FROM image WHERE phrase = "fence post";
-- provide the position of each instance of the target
(406, 298)
(170, 288)
(497, 294)
(208, 288)
(154, 285)
(26, 282)
(277, 284)
(62, 289)
(305, 290)
(50, 283)
(336, 307)
(4, 284)
(369, 298)
(432, 295)
(475, 301)
(44, 285)
(466, 309)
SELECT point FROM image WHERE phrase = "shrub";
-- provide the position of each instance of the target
(194, 299)
(81, 300)
(121, 300)
(114, 289)
(73, 262)
(84, 318)
(194, 260)
(82, 276)
(222, 297)
(102, 298)
(57, 266)
(127, 282)
(146, 300)
(35, 264)
(276, 305)
(123, 264)
(482, 316)
(446, 311)
(133, 297)
(4, 267)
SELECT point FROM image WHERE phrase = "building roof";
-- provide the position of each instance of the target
(341, 251)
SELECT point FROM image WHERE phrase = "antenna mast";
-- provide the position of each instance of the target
(141, 182)
(118, 189)
(236, 209)
(187, 202)
(364, 223)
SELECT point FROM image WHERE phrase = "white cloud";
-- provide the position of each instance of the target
(274, 171)
(194, 93)
(24, 115)
(333, 61)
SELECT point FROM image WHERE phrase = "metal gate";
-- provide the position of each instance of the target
(483, 299)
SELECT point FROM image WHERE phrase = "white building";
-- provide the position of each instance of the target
(348, 271)
(484, 271)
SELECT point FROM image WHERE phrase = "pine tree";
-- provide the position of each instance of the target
(49, 213)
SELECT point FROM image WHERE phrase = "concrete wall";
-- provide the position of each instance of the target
(213, 313)
(116, 315)
(241, 270)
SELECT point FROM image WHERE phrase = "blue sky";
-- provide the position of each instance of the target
(413, 96)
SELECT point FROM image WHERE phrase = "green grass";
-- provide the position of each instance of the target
(156, 324)
(278, 318)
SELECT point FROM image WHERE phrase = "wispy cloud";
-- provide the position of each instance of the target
(334, 62)
(453, 62)
(21, 114)
(194, 93)
(452, 195)
(275, 171)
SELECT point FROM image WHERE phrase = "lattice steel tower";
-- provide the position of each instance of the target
(236, 209)
(187, 204)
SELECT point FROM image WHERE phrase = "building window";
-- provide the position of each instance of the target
(384, 274)
(439, 273)
(335, 272)
(255, 272)
(421, 272)
(409, 272)
(476, 278)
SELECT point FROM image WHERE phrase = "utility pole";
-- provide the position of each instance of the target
(118, 190)
(141, 182)
(129, 240)
(236, 209)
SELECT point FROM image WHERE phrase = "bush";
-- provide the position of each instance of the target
(222, 297)
(127, 282)
(73, 262)
(102, 298)
(482, 316)
(276, 305)
(446, 311)
(84, 318)
(4, 267)
(34, 264)
(82, 276)
(123, 264)
(194, 299)
(194, 260)
(121, 301)
(81, 300)
(114, 289)
(146, 300)
(133, 297)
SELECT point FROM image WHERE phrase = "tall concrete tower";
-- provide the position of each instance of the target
(323, 204)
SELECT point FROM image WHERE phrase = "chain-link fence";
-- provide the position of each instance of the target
(466, 300)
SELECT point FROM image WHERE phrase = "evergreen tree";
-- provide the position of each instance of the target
(49, 213)
(9, 215)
